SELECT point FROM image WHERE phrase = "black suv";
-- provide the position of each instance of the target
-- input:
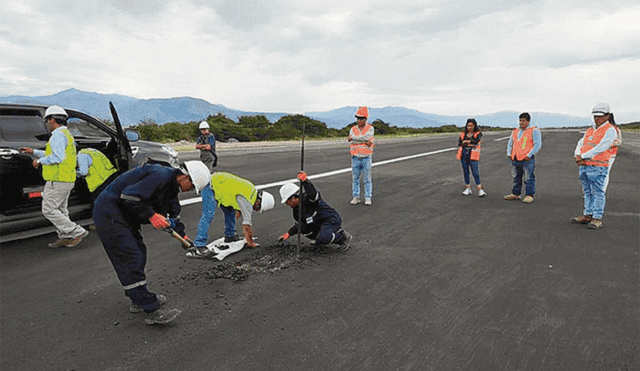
(21, 184)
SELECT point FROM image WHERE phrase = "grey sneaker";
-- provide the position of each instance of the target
(162, 316)
(137, 309)
(367, 202)
(346, 243)
(355, 201)
(71, 242)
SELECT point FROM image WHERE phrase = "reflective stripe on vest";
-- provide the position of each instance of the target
(591, 139)
(361, 149)
(475, 151)
(522, 147)
(100, 170)
(66, 170)
(227, 186)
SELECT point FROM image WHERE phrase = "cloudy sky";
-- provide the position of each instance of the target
(449, 57)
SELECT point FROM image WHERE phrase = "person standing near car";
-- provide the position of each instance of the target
(58, 162)
(206, 143)
(144, 195)
(96, 169)
(524, 143)
(361, 148)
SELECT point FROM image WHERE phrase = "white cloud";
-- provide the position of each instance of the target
(446, 57)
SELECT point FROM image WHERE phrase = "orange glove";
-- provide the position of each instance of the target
(284, 237)
(158, 221)
(302, 176)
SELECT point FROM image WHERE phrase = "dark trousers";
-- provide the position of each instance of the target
(123, 243)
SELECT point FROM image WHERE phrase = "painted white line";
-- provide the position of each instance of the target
(330, 173)
(503, 138)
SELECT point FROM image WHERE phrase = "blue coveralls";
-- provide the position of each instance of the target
(119, 211)
(319, 220)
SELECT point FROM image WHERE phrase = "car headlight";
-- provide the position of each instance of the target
(170, 151)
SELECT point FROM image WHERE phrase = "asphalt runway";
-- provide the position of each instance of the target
(434, 280)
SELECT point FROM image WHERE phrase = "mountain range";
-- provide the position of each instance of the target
(132, 111)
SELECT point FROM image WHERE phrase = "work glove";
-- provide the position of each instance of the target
(158, 221)
(302, 176)
(283, 238)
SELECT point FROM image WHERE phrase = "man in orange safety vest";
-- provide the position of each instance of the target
(524, 143)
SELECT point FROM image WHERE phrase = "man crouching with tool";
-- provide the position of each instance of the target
(143, 195)
(320, 222)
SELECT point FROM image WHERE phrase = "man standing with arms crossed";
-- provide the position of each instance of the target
(207, 145)
(524, 143)
(58, 162)
(361, 147)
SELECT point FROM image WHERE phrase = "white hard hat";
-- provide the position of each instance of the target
(287, 190)
(203, 125)
(199, 173)
(268, 202)
(601, 109)
(56, 111)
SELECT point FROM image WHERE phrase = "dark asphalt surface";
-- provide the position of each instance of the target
(434, 280)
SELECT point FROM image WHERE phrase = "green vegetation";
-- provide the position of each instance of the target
(258, 128)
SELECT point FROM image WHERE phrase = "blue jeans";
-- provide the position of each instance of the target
(466, 164)
(361, 166)
(520, 170)
(208, 212)
(593, 185)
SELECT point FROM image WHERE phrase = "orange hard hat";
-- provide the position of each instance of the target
(362, 112)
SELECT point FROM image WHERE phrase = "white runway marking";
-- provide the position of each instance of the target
(330, 173)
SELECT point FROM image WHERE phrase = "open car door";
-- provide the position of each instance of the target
(125, 156)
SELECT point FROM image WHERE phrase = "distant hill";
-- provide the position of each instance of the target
(186, 109)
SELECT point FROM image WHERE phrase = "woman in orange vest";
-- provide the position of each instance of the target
(361, 148)
(469, 155)
(592, 154)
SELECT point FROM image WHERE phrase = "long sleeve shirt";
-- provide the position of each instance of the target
(84, 163)
(609, 137)
(58, 144)
(537, 142)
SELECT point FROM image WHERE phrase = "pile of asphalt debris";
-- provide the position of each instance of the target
(266, 259)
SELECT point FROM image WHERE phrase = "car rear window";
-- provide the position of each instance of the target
(22, 125)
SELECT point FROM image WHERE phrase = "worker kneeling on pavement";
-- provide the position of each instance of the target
(143, 195)
(320, 222)
(236, 196)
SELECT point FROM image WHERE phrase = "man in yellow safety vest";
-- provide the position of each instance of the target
(58, 162)
(96, 169)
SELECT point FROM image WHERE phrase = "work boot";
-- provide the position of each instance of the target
(511, 197)
(346, 241)
(527, 199)
(582, 219)
(355, 201)
(467, 191)
(595, 224)
(137, 309)
(232, 239)
(75, 241)
(162, 316)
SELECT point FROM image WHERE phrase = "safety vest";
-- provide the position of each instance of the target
(361, 149)
(475, 151)
(227, 186)
(591, 139)
(522, 147)
(66, 170)
(100, 170)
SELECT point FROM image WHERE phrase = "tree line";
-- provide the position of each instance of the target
(259, 128)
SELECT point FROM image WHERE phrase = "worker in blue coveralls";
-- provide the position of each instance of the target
(320, 222)
(143, 195)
